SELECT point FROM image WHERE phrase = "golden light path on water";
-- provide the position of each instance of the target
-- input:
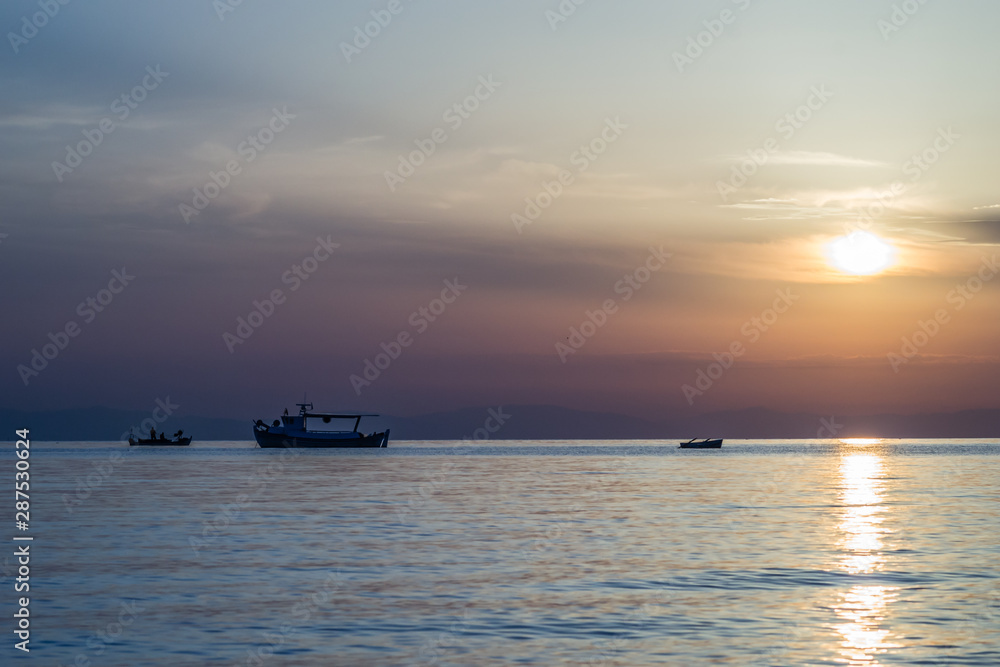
(863, 608)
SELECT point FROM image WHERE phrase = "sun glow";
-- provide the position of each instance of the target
(860, 254)
(860, 442)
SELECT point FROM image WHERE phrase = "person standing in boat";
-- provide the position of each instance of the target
(152, 434)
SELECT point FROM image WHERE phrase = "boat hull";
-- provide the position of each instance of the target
(702, 444)
(181, 442)
(269, 440)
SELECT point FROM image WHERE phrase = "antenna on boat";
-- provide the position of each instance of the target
(305, 404)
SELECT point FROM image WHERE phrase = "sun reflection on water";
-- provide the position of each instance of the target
(863, 513)
(860, 441)
(863, 608)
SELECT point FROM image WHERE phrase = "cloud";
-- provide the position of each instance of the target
(971, 232)
(820, 159)
(52, 116)
(773, 208)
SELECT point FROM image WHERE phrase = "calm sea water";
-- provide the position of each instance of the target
(554, 553)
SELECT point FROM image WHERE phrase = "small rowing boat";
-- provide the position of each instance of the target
(159, 442)
(707, 443)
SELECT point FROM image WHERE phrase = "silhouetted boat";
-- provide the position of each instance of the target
(707, 443)
(306, 430)
(158, 442)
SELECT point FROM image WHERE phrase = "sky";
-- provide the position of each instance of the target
(417, 206)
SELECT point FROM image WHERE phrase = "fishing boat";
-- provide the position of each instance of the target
(178, 441)
(316, 429)
(707, 443)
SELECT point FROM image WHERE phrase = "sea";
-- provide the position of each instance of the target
(765, 552)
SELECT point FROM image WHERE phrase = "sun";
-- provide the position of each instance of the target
(860, 254)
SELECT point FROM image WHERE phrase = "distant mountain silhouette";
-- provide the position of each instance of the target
(528, 422)
(101, 423)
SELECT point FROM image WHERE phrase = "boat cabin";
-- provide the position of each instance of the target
(322, 422)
